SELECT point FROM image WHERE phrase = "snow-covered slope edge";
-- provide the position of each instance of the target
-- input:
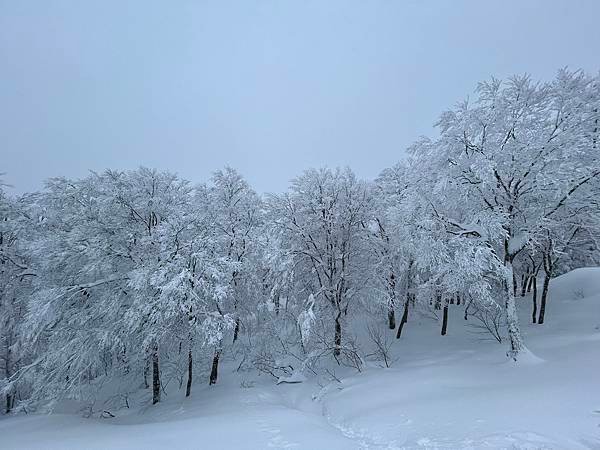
(456, 395)
(448, 392)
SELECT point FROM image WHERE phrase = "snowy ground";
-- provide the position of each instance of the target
(442, 392)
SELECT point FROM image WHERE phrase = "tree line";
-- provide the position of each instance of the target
(129, 280)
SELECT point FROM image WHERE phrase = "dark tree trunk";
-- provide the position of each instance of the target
(514, 284)
(188, 388)
(391, 318)
(404, 317)
(548, 265)
(534, 299)
(532, 278)
(445, 319)
(146, 373)
(236, 330)
(458, 299)
(155, 376)
(337, 337)
(543, 299)
(277, 304)
(524, 280)
(9, 402)
(214, 372)
(7, 373)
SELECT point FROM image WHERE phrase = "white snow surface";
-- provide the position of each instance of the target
(453, 392)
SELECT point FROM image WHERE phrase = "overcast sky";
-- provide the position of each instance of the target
(267, 87)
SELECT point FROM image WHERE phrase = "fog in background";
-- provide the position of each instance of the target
(267, 87)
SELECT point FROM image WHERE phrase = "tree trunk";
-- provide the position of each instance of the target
(9, 403)
(404, 317)
(392, 301)
(532, 279)
(337, 351)
(188, 388)
(155, 376)
(236, 330)
(445, 319)
(214, 372)
(146, 373)
(543, 299)
(534, 299)
(524, 280)
(391, 318)
(548, 263)
(7, 373)
(512, 320)
(510, 306)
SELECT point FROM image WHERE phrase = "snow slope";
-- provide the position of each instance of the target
(451, 392)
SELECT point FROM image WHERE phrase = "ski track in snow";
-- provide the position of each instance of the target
(362, 438)
(367, 440)
(275, 438)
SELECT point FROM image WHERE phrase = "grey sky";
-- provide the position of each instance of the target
(268, 87)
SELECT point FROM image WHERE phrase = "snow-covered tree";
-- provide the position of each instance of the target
(519, 141)
(322, 223)
(98, 310)
(15, 287)
(236, 214)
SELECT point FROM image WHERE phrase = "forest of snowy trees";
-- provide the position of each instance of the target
(125, 281)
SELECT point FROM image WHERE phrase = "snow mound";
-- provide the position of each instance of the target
(576, 285)
(526, 357)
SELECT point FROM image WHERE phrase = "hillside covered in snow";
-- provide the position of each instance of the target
(450, 392)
